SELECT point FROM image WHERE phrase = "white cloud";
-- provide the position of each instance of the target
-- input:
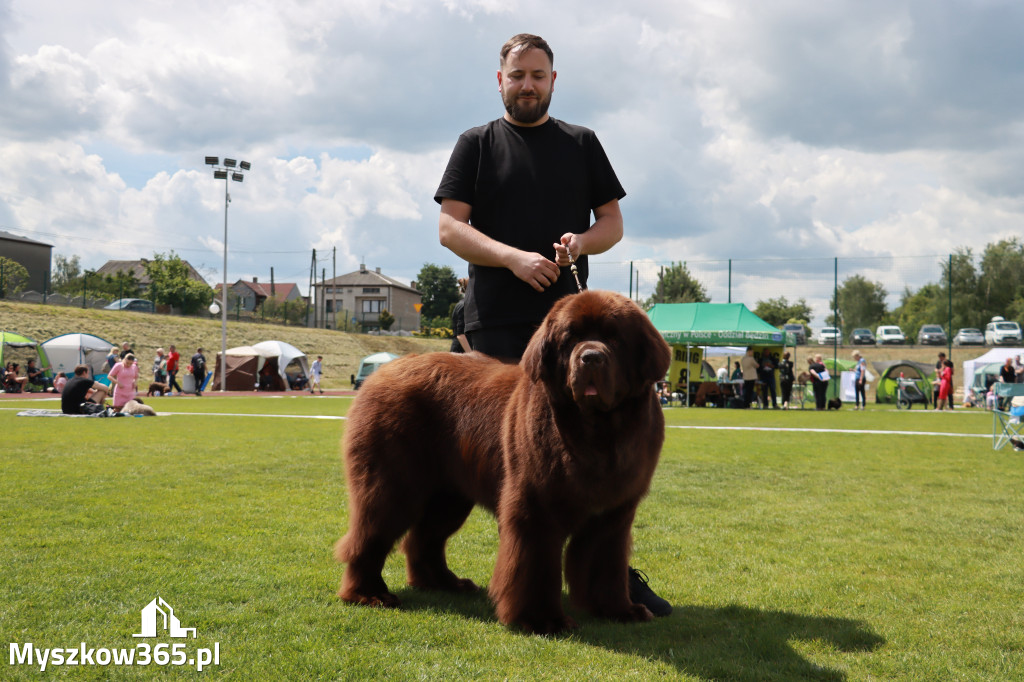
(739, 130)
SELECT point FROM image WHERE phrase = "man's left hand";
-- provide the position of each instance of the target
(568, 246)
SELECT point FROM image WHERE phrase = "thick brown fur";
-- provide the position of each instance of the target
(561, 448)
(157, 388)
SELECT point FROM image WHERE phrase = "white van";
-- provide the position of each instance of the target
(889, 334)
(999, 332)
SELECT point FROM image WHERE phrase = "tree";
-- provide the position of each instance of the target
(677, 285)
(861, 304)
(13, 277)
(779, 311)
(440, 289)
(920, 307)
(66, 277)
(170, 284)
(386, 319)
(1001, 283)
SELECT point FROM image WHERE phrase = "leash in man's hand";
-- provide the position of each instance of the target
(575, 272)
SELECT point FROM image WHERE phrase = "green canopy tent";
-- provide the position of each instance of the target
(689, 326)
(715, 324)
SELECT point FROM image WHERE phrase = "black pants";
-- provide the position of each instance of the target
(748, 392)
(508, 342)
(787, 390)
(820, 394)
(859, 396)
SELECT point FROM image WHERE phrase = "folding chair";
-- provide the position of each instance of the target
(1006, 423)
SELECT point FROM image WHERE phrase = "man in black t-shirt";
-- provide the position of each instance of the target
(515, 189)
(75, 398)
(520, 187)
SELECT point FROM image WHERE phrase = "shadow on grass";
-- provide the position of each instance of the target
(731, 642)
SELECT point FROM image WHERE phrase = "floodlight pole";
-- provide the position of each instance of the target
(224, 170)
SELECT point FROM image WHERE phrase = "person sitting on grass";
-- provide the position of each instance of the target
(37, 376)
(82, 395)
(12, 382)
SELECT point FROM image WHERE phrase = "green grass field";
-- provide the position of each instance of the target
(820, 546)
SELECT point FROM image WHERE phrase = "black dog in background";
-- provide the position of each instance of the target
(835, 403)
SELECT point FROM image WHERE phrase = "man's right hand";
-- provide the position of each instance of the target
(535, 270)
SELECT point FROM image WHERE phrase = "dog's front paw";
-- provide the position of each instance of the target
(548, 626)
(383, 599)
(637, 613)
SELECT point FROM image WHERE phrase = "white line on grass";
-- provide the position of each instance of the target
(850, 431)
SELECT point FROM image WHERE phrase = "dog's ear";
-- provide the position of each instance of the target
(651, 350)
(541, 355)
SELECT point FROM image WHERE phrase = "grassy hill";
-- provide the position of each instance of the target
(147, 332)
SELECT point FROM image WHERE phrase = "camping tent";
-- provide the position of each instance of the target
(246, 363)
(286, 355)
(995, 355)
(243, 367)
(889, 372)
(372, 363)
(18, 348)
(63, 353)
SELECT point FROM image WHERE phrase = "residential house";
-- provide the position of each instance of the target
(360, 296)
(138, 269)
(32, 255)
(250, 295)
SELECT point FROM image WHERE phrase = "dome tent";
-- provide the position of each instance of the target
(63, 353)
(18, 348)
(920, 373)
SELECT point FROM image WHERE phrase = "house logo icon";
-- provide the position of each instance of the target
(150, 620)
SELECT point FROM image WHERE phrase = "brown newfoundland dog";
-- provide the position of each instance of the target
(561, 447)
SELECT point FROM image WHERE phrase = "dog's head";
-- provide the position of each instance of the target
(597, 349)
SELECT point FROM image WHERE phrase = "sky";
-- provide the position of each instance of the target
(780, 135)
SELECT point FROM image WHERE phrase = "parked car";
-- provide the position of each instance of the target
(799, 330)
(829, 336)
(138, 304)
(1000, 332)
(968, 336)
(889, 334)
(932, 335)
(862, 336)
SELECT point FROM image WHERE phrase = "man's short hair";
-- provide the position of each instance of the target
(81, 370)
(525, 41)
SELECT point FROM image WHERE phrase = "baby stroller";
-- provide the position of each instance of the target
(908, 393)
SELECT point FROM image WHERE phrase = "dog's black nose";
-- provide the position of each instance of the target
(592, 357)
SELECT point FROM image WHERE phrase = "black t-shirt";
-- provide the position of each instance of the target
(527, 187)
(1008, 374)
(74, 394)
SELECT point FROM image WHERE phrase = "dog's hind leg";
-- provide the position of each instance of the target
(371, 536)
(426, 566)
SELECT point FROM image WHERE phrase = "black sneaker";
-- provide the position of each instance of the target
(1017, 442)
(641, 593)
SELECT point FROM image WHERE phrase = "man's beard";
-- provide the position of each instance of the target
(528, 112)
